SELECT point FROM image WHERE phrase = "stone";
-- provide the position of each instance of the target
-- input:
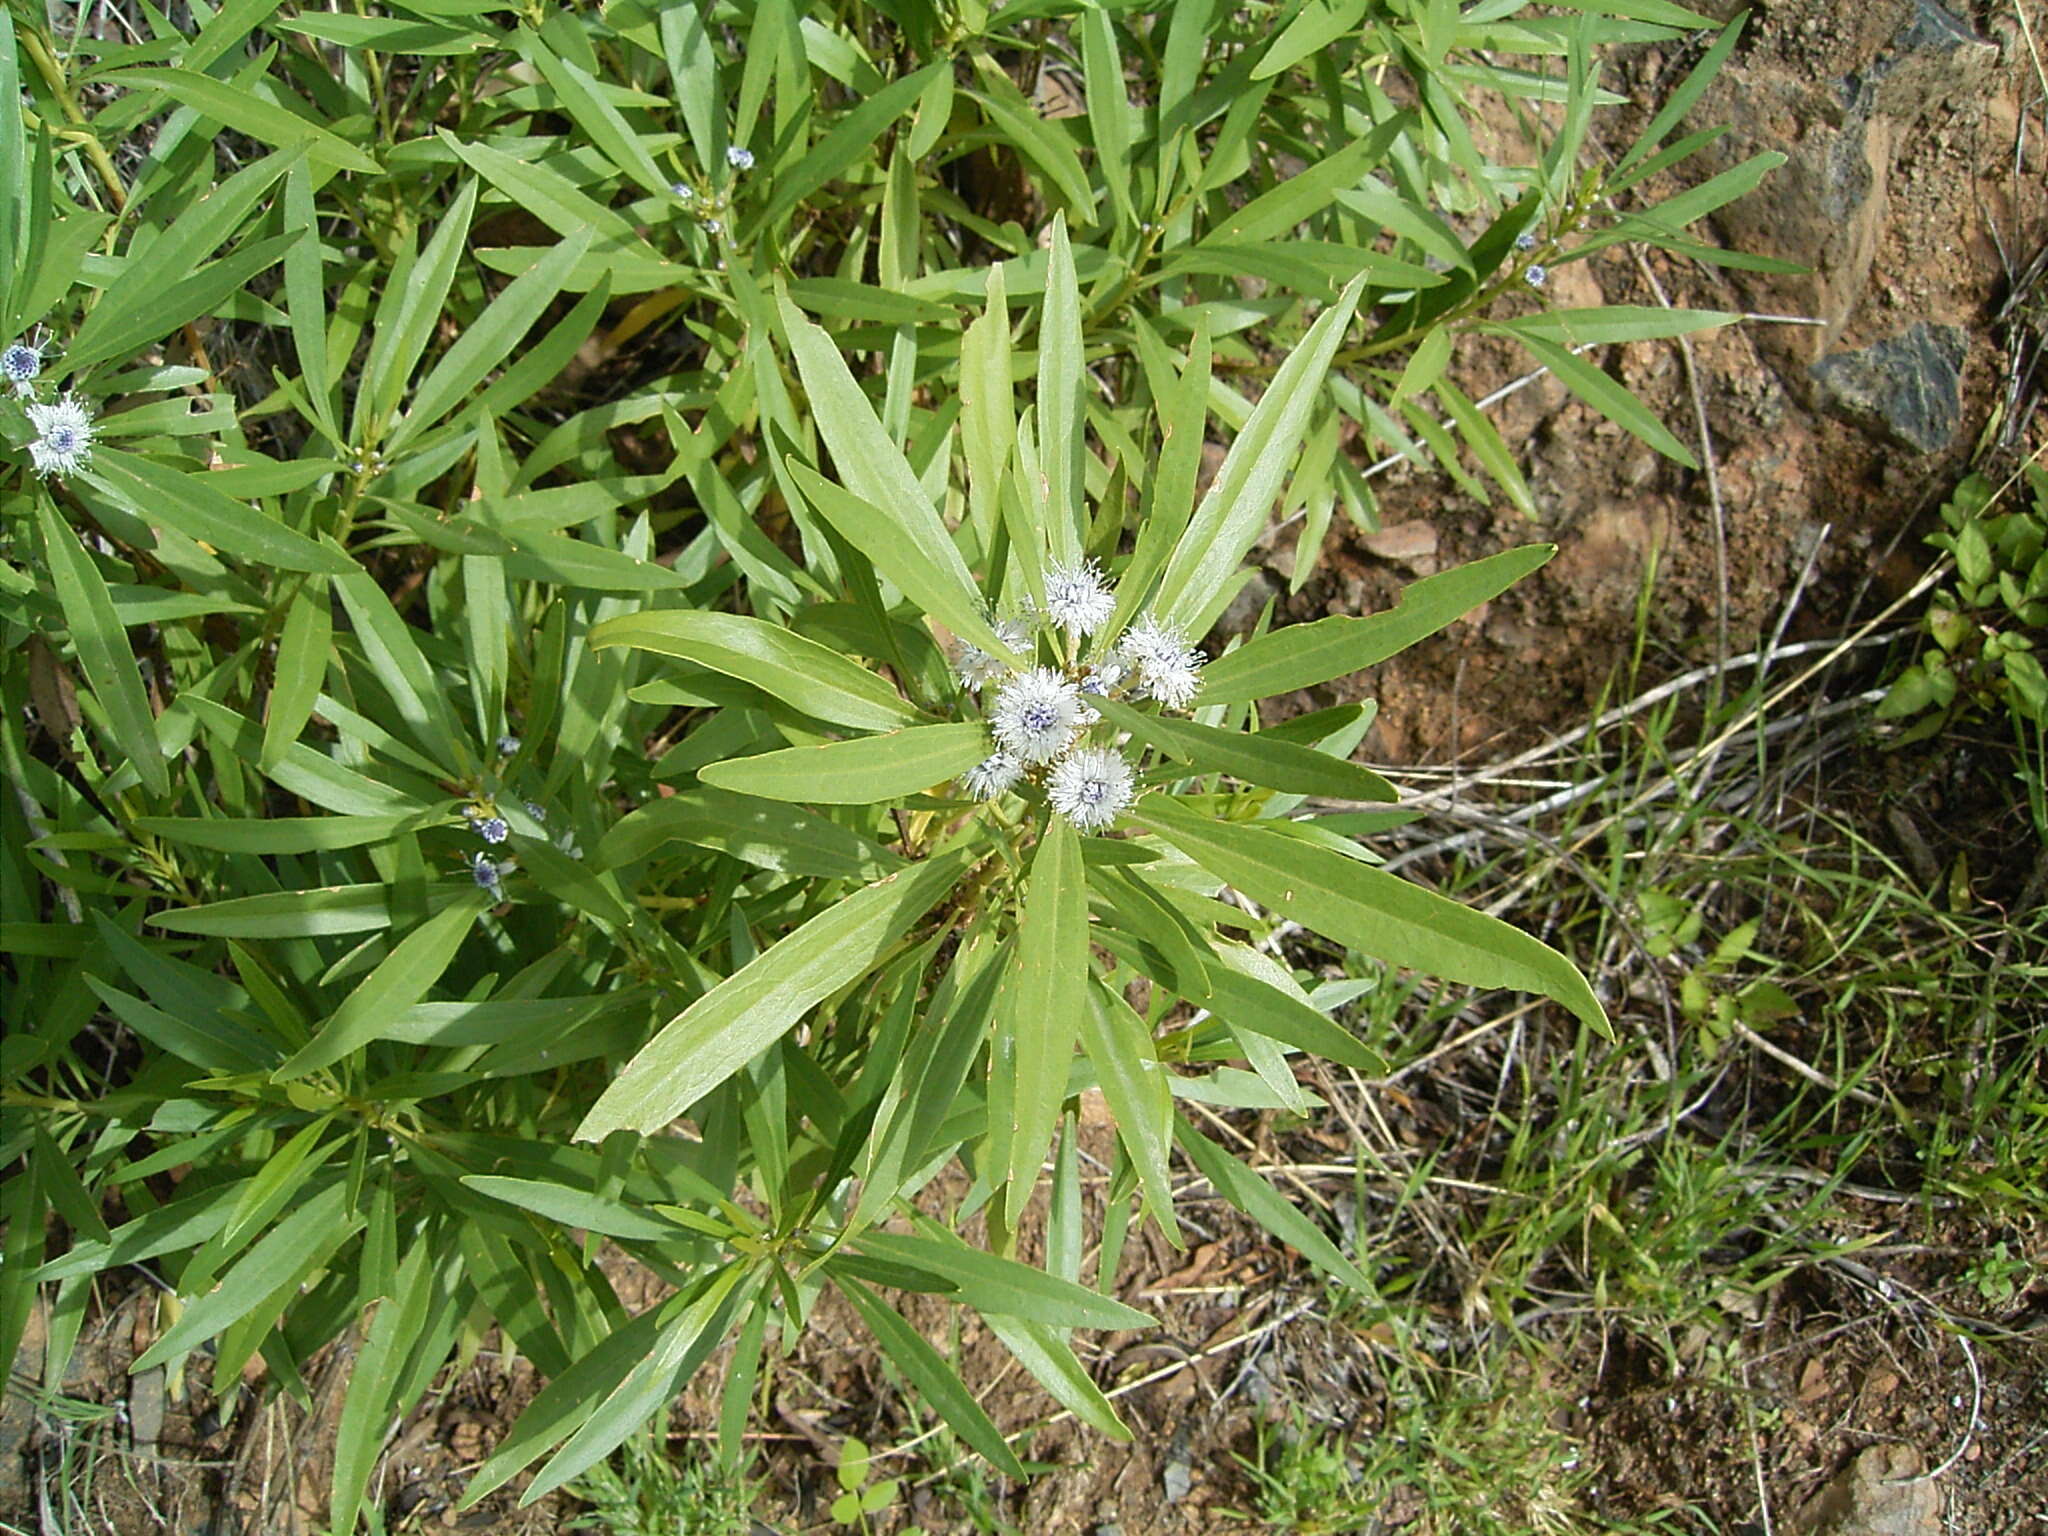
(1883, 1492)
(1906, 388)
(1840, 100)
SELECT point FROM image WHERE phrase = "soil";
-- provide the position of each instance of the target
(1910, 194)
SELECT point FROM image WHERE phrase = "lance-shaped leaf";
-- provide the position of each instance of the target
(1376, 913)
(1197, 583)
(929, 1373)
(1252, 757)
(947, 597)
(805, 675)
(1121, 1049)
(1268, 1207)
(1303, 655)
(324, 1221)
(401, 980)
(1041, 1002)
(875, 471)
(159, 494)
(864, 771)
(694, 1331)
(740, 1017)
(103, 648)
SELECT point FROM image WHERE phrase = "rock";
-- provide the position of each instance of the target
(1906, 388)
(1411, 545)
(1875, 1495)
(1839, 92)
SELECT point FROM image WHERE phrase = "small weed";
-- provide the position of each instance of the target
(642, 1491)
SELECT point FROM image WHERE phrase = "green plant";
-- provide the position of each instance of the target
(378, 903)
(652, 1493)
(1984, 626)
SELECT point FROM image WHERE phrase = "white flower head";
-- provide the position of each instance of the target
(739, 158)
(21, 364)
(992, 776)
(976, 669)
(1036, 715)
(1167, 666)
(1091, 787)
(1076, 599)
(1535, 277)
(63, 441)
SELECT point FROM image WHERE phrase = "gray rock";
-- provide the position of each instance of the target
(1841, 95)
(1906, 388)
(1881, 1493)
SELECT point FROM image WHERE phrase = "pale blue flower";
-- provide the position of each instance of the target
(1091, 787)
(63, 440)
(1535, 277)
(740, 159)
(1036, 715)
(493, 829)
(992, 776)
(1076, 599)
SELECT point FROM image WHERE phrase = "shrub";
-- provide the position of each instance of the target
(489, 683)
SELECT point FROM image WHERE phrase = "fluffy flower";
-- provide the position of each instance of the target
(1036, 715)
(738, 158)
(508, 745)
(488, 874)
(976, 669)
(1535, 277)
(1076, 599)
(1091, 787)
(992, 776)
(63, 441)
(1167, 666)
(536, 810)
(20, 365)
(1525, 241)
(493, 829)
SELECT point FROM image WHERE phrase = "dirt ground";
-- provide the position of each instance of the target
(1911, 194)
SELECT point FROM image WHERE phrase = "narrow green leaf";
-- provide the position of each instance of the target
(1121, 1049)
(1197, 582)
(1304, 655)
(547, 195)
(648, 1388)
(246, 113)
(1600, 391)
(367, 1411)
(946, 593)
(932, 1377)
(303, 651)
(401, 980)
(575, 1208)
(1040, 1004)
(1375, 913)
(323, 1221)
(851, 138)
(1053, 1365)
(567, 1401)
(864, 771)
(1250, 756)
(598, 119)
(1265, 1205)
(747, 1012)
(159, 494)
(908, 543)
(1062, 377)
(103, 649)
(765, 833)
(485, 344)
(805, 675)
